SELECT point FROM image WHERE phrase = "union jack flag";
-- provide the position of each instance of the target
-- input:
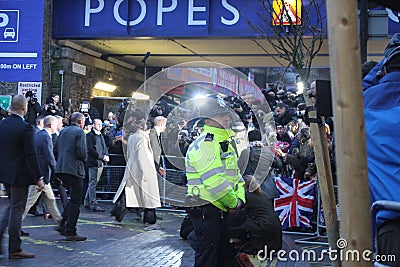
(295, 204)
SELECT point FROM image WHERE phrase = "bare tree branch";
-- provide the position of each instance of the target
(296, 39)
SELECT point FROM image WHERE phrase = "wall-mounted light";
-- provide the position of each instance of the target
(105, 87)
(140, 96)
(109, 76)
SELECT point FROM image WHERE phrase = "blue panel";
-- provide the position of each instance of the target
(189, 18)
(21, 40)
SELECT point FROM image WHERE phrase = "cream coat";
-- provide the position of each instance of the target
(140, 177)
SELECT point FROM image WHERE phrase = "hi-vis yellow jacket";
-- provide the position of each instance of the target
(212, 173)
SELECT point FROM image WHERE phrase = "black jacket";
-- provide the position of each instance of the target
(96, 149)
(18, 160)
(259, 224)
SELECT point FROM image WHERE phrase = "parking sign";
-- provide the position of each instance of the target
(9, 25)
(21, 40)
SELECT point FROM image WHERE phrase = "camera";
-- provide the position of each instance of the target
(301, 109)
(158, 109)
(235, 102)
(84, 106)
(123, 105)
(33, 99)
(183, 136)
(248, 115)
(51, 107)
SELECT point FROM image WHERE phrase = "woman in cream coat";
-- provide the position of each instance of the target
(140, 177)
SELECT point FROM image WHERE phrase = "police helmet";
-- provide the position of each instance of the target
(210, 107)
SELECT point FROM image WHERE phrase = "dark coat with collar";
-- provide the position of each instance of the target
(44, 150)
(18, 160)
(96, 148)
(156, 147)
(72, 151)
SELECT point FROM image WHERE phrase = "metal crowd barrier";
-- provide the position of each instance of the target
(319, 238)
(172, 187)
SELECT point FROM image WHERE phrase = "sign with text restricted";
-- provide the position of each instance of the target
(21, 40)
(35, 87)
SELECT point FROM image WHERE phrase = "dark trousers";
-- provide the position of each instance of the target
(12, 217)
(72, 210)
(389, 241)
(210, 239)
(56, 183)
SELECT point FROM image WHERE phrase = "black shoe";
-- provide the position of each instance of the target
(76, 238)
(97, 208)
(23, 233)
(21, 255)
(61, 229)
(119, 213)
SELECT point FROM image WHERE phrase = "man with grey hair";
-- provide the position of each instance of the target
(72, 153)
(47, 163)
(19, 168)
(160, 124)
(97, 155)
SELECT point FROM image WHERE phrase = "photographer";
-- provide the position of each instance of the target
(33, 107)
(160, 109)
(184, 141)
(50, 109)
(242, 109)
(123, 106)
(283, 114)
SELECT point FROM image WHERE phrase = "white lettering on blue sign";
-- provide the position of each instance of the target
(161, 9)
(139, 19)
(234, 11)
(191, 10)
(89, 10)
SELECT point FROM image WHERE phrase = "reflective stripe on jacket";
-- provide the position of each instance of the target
(213, 173)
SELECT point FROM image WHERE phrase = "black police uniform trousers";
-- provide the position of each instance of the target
(210, 237)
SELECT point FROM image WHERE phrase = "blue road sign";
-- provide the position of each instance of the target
(21, 40)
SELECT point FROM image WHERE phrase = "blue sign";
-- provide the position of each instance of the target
(160, 18)
(21, 40)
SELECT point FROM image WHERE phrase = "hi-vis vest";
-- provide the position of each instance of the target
(213, 174)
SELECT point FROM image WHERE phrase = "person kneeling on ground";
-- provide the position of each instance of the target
(257, 226)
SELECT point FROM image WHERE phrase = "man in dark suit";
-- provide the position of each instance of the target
(72, 152)
(97, 154)
(160, 124)
(47, 163)
(19, 168)
(34, 209)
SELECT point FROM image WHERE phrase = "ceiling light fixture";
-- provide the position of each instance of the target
(140, 96)
(105, 87)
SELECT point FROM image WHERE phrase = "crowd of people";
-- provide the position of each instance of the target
(230, 166)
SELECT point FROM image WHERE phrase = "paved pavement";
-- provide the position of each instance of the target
(129, 243)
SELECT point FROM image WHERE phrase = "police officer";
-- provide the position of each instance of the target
(215, 182)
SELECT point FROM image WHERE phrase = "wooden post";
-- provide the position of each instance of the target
(318, 136)
(352, 172)
(326, 185)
